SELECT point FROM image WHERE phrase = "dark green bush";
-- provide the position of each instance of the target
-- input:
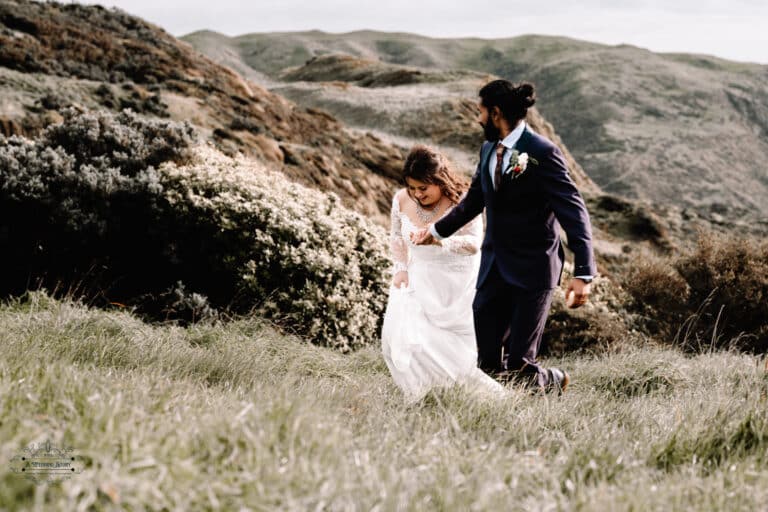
(293, 254)
(83, 205)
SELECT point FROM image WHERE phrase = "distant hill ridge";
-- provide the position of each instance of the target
(673, 129)
(56, 55)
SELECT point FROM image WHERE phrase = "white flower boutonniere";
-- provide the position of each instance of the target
(518, 163)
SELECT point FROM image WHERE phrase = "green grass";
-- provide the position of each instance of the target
(238, 417)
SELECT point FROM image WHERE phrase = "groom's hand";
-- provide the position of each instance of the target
(422, 237)
(580, 291)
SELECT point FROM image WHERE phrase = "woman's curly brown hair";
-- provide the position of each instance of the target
(427, 165)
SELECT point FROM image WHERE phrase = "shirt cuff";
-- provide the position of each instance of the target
(434, 233)
(583, 277)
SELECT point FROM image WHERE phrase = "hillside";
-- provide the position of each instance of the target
(350, 139)
(407, 103)
(199, 329)
(121, 61)
(674, 130)
(54, 55)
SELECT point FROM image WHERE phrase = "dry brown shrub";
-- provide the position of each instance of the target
(714, 296)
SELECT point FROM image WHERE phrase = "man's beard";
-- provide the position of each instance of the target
(492, 134)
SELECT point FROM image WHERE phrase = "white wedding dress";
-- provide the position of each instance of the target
(428, 336)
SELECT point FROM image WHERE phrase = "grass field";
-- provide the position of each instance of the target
(238, 417)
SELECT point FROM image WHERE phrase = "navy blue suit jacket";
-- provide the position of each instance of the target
(523, 218)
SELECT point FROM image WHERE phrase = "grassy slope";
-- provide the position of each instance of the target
(237, 415)
(704, 120)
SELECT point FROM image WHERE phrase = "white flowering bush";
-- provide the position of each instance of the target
(297, 255)
(78, 176)
(129, 211)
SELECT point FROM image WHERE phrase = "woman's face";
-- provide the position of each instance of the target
(427, 194)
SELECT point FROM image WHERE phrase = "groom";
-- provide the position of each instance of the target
(522, 182)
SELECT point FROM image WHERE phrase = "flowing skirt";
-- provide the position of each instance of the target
(428, 336)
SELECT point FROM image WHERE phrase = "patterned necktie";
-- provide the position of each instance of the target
(499, 160)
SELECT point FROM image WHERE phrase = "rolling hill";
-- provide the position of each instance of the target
(349, 139)
(686, 132)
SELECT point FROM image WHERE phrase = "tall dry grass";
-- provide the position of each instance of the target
(235, 416)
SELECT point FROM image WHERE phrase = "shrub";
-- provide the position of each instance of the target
(126, 142)
(729, 277)
(126, 210)
(83, 203)
(600, 325)
(294, 253)
(658, 293)
(713, 296)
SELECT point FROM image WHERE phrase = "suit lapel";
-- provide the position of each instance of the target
(485, 158)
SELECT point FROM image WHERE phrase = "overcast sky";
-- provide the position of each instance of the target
(733, 29)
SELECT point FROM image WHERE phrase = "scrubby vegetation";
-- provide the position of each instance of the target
(127, 210)
(715, 296)
(107, 58)
(368, 73)
(131, 211)
(112, 46)
(83, 203)
(295, 255)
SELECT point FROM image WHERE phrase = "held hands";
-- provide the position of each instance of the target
(423, 237)
(577, 293)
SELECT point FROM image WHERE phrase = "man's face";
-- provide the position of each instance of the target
(487, 121)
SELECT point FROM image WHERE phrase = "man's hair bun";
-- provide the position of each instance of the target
(527, 94)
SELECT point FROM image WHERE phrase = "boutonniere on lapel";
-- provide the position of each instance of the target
(518, 163)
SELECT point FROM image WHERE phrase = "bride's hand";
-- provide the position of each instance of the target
(401, 278)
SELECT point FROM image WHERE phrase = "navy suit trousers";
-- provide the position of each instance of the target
(509, 323)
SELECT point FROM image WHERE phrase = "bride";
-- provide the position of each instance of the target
(428, 336)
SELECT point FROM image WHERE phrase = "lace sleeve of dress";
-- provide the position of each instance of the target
(467, 240)
(397, 246)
